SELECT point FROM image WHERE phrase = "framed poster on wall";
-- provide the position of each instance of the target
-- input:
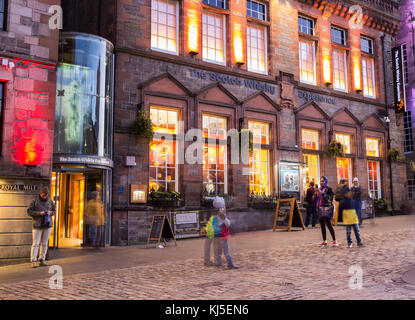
(138, 193)
(289, 179)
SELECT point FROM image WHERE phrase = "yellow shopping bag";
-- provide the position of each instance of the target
(350, 217)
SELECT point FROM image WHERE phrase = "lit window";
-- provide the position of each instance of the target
(411, 189)
(345, 140)
(256, 46)
(374, 179)
(164, 25)
(163, 167)
(407, 125)
(366, 45)
(310, 139)
(368, 70)
(339, 70)
(3, 14)
(311, 170)
(307, 61)
(372, 147)
(306, 25)
(338, 36)
(215, 3)
(344, 169)
(256, 10)
(215, 164)
(260, 132)
(213, 38)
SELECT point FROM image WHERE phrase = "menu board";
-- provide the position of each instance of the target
(186, 224)
(288, 215)
(161, 229)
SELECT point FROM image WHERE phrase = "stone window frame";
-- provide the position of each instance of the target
(368, 56)
(411, 189)
(265, 47)
(215, 3)
(379, 147)
(378, 180)
(265, 14)
(408, 132)
(318, 138)
(224, 38)
(351, 137)
(3, 22)
(344, 41)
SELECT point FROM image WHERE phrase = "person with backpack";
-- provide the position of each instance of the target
(41, 210)
(347, 208)
(212, 238)
(325, 209)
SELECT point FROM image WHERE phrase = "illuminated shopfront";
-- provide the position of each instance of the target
(311, 161)
(83, 135)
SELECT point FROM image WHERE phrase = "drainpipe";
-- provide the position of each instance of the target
(385, 82)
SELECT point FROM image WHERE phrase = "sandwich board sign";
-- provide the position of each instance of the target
(161, 229)
(288, 215)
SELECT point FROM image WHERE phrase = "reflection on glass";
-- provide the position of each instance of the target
(84, 98)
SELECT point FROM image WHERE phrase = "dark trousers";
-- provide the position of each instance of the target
(311, 212)
(323, 223)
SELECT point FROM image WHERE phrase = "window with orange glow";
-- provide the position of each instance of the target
(213, 39)
(339, 70)
(373, 147)
(215, 169)
(259, 161)
(368, 72)
(163, 174)
(256, 46)
(310, 139)
(311, 170)
(374, 179)
(344, 169)
(307, 61)
(164, 25)
(346, 141)
(214, 127)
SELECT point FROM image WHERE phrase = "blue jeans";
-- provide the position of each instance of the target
(359, 210)
(311, 211)
(356, 233)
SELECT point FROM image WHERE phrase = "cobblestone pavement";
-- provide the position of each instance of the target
(294, 272)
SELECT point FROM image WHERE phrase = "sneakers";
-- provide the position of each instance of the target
(232, 266)
(335, 244)
(350, 245)
(42, 263)
(323, 244)
(360, 244)
(34, 264)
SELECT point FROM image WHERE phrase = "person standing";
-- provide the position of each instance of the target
(95, 219)
(311, 206)
(341, 190)
(324, 205)
(357, 197)
(223, 245)
(41, 210)
(347, 208)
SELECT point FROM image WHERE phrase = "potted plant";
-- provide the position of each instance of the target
(258, 201)
(165, 199)
(380, 206)
(143, 126)
(394, 155)
(335, 149)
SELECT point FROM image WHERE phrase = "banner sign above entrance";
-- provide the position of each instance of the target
(87, 160)
(235, 81)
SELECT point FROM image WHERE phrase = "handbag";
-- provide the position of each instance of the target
(325, 212)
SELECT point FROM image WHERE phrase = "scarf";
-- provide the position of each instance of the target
(322, 190)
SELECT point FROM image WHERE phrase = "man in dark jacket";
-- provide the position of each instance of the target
(311, 206)
(41, 210)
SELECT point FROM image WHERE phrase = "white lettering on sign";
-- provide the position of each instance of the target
(184, 218)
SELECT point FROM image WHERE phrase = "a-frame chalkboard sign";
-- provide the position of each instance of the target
(288, 215)
(161, 229)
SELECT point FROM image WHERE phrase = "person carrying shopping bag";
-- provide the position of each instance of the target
(325, 210)
(347, 207)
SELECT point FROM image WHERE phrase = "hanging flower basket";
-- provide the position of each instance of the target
(335, 149)
(143, 126)
(394, 155)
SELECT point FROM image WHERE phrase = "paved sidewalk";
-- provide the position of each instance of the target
(277, 265)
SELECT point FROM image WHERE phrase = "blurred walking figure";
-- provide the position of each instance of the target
(325, 209)
(341, 190)
(42, 209)
(311, 206)
(95, 219)
(357, 197)
(224, 222)
(347, 207)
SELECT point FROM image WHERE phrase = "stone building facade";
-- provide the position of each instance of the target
(28, 56)
(305, 72)
(405, 38)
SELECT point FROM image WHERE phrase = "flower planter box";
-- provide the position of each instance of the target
(166, 203)
(263, 206)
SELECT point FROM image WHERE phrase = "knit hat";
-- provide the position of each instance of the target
(219, 203)
(355, 179)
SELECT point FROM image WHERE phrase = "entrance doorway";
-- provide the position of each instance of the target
(71, 191)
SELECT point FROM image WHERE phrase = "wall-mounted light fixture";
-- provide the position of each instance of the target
(327, 70)
(357, 76)
(193, 32)
(237, 44)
